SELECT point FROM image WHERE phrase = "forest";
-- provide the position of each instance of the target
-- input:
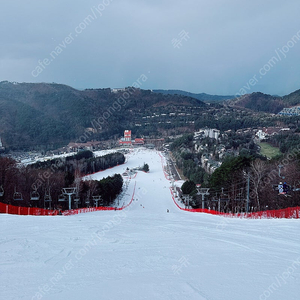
(33, 184)
(52, 115)
(243, 173)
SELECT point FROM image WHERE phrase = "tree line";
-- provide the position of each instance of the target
(50, 177)
(228, 184)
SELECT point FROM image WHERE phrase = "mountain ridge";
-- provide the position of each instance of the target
(50, 115)
(54, 114)
(261, 102)
(200, 96)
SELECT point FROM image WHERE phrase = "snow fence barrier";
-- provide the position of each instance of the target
(286, 213)
(26, 211)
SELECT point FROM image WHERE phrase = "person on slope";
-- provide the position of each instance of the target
(280, 188)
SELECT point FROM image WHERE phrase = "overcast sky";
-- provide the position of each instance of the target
(212, 46)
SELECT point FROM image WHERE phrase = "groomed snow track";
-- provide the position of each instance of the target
(143, 252)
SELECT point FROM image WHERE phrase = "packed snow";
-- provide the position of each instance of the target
(145, 252)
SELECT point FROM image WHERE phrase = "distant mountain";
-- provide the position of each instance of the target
(292, 99)
(266, 103)
(49, 115)
(202, 96)
(259, 102)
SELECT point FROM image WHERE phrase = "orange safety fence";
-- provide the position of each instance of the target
(26, 211)
(285, 213)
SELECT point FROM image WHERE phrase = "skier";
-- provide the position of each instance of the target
(280, 188)
(285, 188)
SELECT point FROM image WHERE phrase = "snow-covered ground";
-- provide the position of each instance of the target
(143, 252)
(32, 160)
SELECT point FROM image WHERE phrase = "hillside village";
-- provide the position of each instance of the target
(211, 146)
(291, 111)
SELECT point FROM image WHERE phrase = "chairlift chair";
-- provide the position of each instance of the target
(87, 201)
(34, 196)
(96, 200)
(76, 201)
(17, 196)
(1, 191)
(61, 198)
(47, 197)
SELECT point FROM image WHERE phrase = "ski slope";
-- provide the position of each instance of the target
(143, 252)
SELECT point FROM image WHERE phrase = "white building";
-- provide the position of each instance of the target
(260, 134)
(208, 132)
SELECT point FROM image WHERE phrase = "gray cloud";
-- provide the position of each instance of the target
(228, 43)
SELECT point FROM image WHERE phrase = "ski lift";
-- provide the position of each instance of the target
(1, 191)
(47, 197)
(96, 200)
(34, 196)
(76, 201)
(17, 196)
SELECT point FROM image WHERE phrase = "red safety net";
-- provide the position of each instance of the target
(287, 213)
(25, 211)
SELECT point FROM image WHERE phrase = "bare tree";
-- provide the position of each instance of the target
(258, 170)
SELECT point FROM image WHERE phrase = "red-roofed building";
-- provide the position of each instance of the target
(139, 142)
(126, 140)
(127, 135)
